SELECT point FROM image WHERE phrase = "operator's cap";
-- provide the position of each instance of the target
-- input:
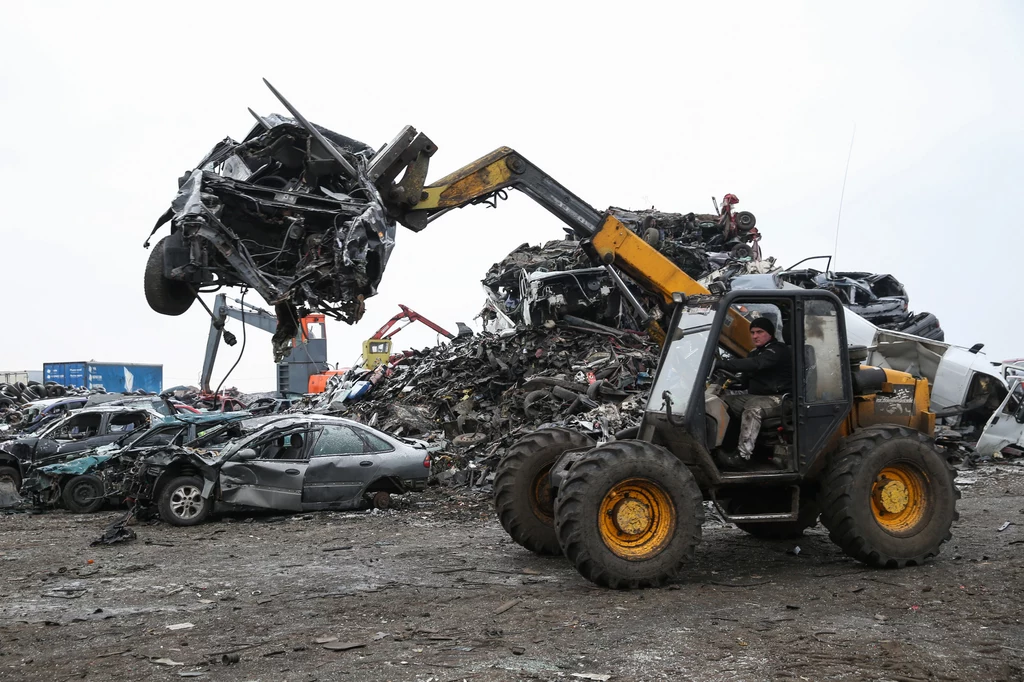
(765, 324)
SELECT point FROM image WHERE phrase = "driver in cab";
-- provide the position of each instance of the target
(768, 374)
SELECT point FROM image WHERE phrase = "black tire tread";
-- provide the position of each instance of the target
(165, 296)
(513, 511)
(571, 518)
(836, 496)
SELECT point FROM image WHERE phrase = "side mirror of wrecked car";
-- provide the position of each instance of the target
(1019, 416)
(246, 454)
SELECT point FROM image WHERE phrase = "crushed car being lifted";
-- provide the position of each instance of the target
(289, 213)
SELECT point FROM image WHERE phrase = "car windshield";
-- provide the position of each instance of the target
(677, 375)
(48, 433)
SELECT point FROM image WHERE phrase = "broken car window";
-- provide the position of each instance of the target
(345, 440)
(127, 422)
(78, 426)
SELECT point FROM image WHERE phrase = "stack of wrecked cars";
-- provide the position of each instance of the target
(100, 474)
(188, 466)
(72, 435)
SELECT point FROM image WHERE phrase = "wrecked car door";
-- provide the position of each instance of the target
(343, 461)
(1006, 427)
(272, 479)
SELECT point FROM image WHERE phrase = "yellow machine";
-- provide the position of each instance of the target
(855, 442)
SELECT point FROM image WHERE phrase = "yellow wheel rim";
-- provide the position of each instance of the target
(637, 519)
(898, 498)
(541, 502)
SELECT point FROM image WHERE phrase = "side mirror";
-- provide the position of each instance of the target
(1019, 415)
(246, 454)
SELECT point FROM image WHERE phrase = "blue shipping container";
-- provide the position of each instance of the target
(114, 377)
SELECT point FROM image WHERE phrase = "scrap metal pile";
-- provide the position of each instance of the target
(482, 393)
(879, 298)
(282, 212)
(539, 284)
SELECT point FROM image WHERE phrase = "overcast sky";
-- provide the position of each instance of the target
(105, 105)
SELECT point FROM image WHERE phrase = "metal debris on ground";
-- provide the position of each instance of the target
(116, 532)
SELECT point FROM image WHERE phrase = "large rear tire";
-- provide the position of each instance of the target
(629, 515)
(888, 497)
(165, 296)
(522, 490)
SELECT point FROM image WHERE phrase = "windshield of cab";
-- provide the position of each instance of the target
(677, 375)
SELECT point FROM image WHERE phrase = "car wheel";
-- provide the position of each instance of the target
(10, 474)
(165, 296)
(83, 494)
(181, 502)
(381, 499)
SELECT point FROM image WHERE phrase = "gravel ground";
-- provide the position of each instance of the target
(434, 590)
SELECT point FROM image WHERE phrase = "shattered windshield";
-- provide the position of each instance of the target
(677, 376)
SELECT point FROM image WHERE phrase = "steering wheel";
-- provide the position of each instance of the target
(720, 372)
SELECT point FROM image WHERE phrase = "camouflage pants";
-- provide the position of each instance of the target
(753, 408)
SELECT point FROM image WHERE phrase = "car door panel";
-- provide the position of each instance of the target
(342, 463)
(266, 483)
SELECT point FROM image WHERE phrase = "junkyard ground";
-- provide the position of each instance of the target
(434, 590)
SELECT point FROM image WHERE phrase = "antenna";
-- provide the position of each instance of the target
(842, 195)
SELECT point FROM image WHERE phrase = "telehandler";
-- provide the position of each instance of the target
(855, 443)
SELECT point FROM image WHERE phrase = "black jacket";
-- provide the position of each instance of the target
(768, 370)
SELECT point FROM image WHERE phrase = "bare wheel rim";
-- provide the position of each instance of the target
(637, 519)
(541, 500)
(899, 498)
(83, 494)
(186, 501)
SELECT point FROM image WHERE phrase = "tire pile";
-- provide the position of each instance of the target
(15, 396)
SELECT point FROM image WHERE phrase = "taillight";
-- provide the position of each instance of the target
(426, 461)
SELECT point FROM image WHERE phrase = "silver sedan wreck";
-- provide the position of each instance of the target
(289, 463)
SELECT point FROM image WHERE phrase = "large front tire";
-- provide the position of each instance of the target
(165, 296)
(629, 515)
(888, 498)
(522, 490)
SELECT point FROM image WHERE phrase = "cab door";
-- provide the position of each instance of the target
(1006, 426)
(824, 396)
